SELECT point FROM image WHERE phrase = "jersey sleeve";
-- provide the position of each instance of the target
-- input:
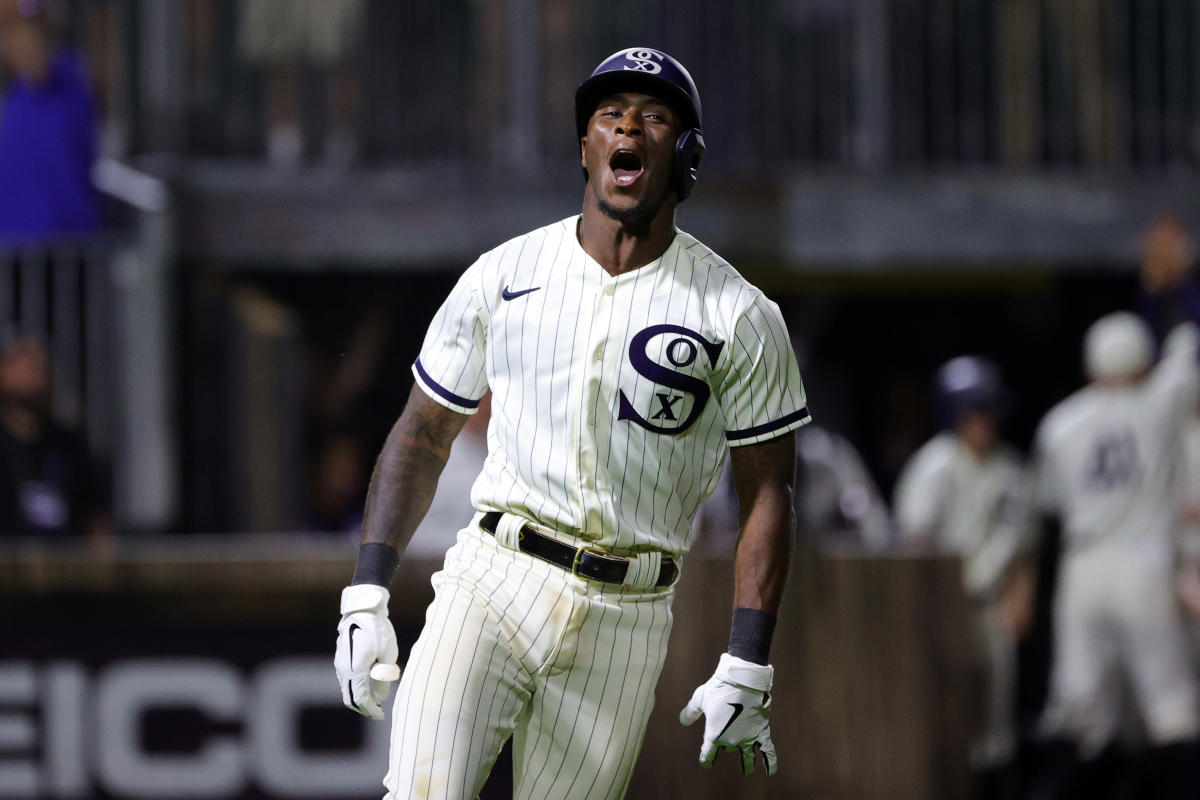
(451, 368)
(1046, 492)
(918, 499)
(761, 392)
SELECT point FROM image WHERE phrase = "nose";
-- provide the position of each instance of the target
(630, 123)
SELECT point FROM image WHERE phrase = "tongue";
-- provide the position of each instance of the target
(626, 176)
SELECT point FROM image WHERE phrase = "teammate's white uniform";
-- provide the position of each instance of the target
(982, 512)
(613, 401)
(1108, 463)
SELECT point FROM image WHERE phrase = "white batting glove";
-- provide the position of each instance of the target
(735, 703)
(365, 638)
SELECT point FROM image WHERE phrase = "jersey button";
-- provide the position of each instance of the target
(599, 354)
(610, 290)
(592, 418)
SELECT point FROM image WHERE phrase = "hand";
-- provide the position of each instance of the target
(1187, 586)
(1017, 602)
(735, 703)
(365, 638)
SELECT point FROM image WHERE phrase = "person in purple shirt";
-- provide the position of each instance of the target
(47, 138)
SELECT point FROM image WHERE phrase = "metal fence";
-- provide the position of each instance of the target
(103, 308)
(857, 84)
(60, 294)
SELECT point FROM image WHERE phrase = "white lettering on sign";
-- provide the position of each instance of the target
(66, 735)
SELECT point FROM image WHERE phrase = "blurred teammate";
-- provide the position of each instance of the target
(838, 505)
(1108, 469)
(624, 358)
(966, 493)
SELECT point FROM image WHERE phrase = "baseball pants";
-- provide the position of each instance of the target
(994, 744)
(513, 646)
(1114, 613)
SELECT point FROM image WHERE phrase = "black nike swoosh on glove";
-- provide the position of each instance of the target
(737, 712)
(354, 626)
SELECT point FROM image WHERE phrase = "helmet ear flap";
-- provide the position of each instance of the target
(689, 150)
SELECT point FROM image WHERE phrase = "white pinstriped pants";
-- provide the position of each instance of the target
(515, 646)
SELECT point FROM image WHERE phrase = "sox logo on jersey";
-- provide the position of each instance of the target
(681, 352)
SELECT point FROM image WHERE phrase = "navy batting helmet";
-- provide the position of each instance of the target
(969, 383)
(652, 72)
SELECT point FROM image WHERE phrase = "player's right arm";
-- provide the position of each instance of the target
(402, 487)
(918, 497)
(407, 471)
(450, 380)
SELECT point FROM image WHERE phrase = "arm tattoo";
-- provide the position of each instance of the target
(407, 471)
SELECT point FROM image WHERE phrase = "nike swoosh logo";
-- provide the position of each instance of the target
(507, 295)
(353, 627)
(737, 712)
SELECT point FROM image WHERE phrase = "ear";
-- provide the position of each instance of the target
(583, 152)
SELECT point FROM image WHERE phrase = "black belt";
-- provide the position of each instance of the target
(583, 562)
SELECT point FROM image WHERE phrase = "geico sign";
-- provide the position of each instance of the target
(63, 734)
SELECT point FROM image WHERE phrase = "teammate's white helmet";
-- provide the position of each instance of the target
(1117, 346)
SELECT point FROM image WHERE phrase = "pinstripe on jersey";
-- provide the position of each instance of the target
(614, 398)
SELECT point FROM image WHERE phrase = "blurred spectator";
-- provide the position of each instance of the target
(282, 36)
(837, 504)
(1108, 461)
(337, 486)
(47, 134)
(48, 484)
(1169, 295)
(966, 493)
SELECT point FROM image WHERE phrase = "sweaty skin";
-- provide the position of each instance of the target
(763, 476)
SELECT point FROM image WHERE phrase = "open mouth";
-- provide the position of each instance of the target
(626, 167)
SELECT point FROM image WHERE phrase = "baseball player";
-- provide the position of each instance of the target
(1108, 458)
(965, 492)
(624, 357)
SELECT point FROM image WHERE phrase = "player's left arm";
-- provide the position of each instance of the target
(736, 700)
(764, 476)
(763, 400)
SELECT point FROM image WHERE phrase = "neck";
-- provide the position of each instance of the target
(623, 247)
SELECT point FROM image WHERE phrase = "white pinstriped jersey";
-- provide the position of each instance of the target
(979, 510)
(614, 398)
(1109, 458)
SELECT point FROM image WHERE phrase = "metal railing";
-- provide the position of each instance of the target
(103, 307)
(852, 84)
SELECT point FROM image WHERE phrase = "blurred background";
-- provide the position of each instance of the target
(225, 224)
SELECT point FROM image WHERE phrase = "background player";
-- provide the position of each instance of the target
(966, 492)
(623, 356)
(1107, 462)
